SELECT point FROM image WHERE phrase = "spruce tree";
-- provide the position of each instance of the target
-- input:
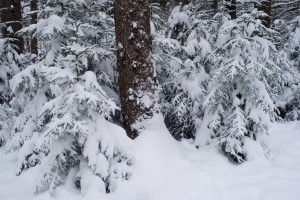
(64, 114)
(222, 78)
(247, 77)
(181, 53)
(10, 63)
(11, 46)
(289, 104)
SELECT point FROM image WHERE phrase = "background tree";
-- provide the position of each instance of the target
(180, 53)
(11, 18)
(11, 46)
(231, 6)
(285, 9)
(10, 63)
(203, 63)
(34, 16)
(266, 7)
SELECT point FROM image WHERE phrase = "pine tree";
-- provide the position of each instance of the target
(221, 79)
(248, 75)
(11, 46)
(293, 44)
(10, 63)
(289, 101)
(64, 114)
(181, 57)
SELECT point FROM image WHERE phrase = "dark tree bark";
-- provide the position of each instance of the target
(231, 8)
(136, 72)
(185, 2)
(162, 3)
(34, 42)
(266, 7)
(11, 16)
(214, 6)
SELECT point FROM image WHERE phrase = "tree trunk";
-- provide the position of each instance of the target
(214, 6)
(137, 81)
(11, 16)
(266, 7)
(162, 3)
(34, 42)
(185, 2)
(231, 8)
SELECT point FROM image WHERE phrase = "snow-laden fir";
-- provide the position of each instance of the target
(64, 116)
(10, 63)
(221, 78)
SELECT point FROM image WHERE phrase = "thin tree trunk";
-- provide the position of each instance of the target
(162, 3)
(266, 7)
(11, 16)
(231, 8)
(214, 6)
(185, 2)
(34, 42)
(136, 72)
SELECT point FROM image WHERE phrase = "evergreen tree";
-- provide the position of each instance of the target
(11, 46)
(247, 76)
(221, 79)
(64, 114)
(181, 58)
(10, 63)
(289, 103)
(293, 44)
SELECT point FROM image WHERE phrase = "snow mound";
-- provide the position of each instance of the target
(168, 170)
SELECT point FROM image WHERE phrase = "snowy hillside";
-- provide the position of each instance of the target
(168, 170)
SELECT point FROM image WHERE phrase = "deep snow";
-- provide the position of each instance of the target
(168, 170)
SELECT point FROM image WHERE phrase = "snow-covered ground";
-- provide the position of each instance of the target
(168, 170)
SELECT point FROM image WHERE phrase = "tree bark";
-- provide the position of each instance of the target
(137, 81)
(185, 2)
(214, 6)
(266, 7)
(34, 42)
(12, 18)
(231, 8)
(162, 3)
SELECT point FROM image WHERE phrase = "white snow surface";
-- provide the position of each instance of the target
(169, 170)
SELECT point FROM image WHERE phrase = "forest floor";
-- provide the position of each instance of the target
(168, 170)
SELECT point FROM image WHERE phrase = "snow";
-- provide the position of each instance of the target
(10, 30)
(166, 169)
